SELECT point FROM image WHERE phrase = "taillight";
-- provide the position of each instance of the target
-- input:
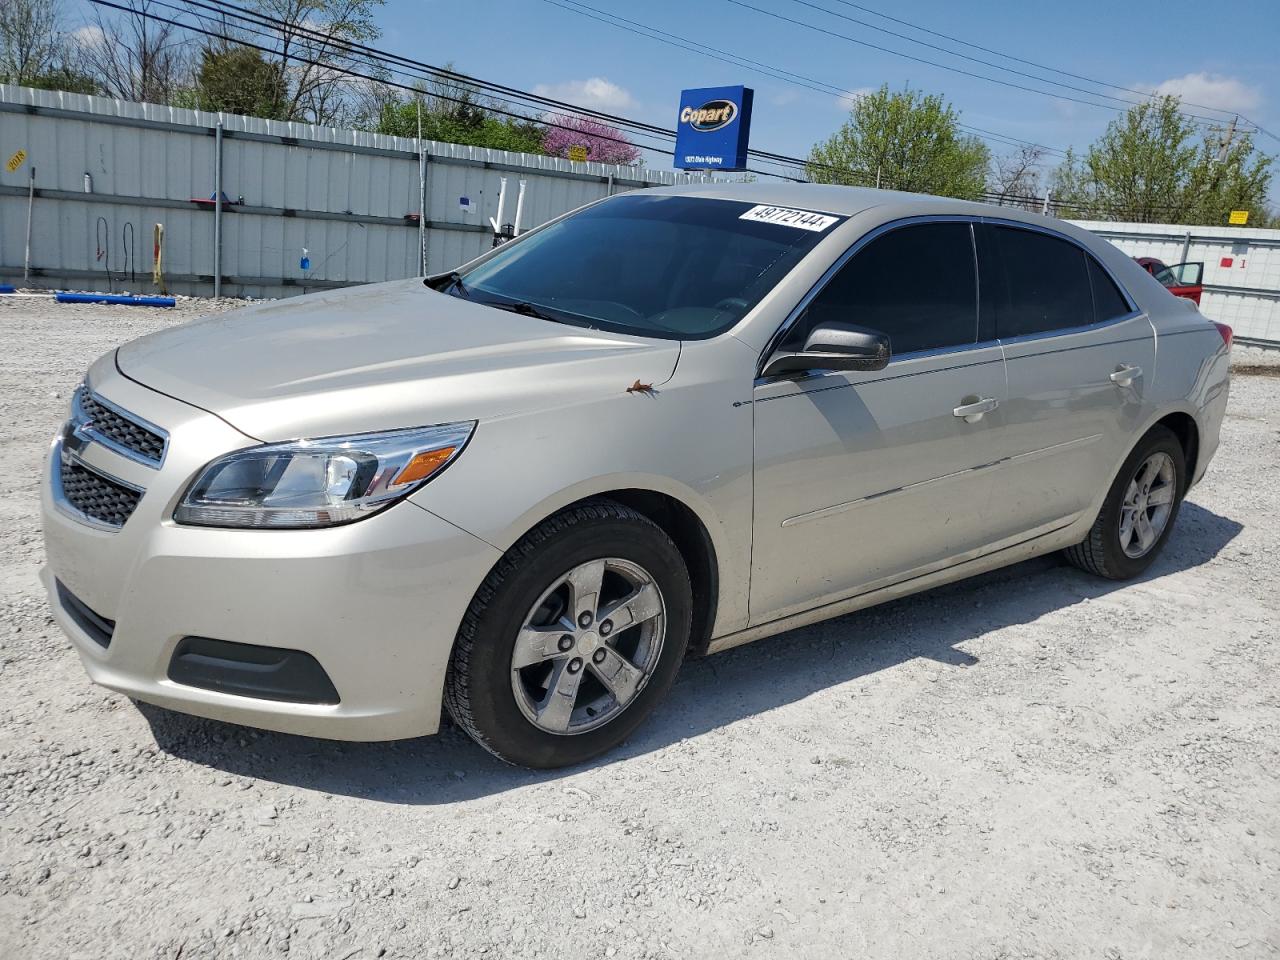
(1225, 331)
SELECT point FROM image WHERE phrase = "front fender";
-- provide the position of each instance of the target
(517, 471)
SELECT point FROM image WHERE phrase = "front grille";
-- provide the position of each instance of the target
(121, 430)
(96, 496)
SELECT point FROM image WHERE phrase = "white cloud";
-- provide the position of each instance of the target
(845, 101)
(88, 36)
(1212, 90)
(596, 93)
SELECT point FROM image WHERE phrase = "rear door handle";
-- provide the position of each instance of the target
(1125, 376)
(973, 412)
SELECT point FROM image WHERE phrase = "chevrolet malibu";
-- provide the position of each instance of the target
(666, 424)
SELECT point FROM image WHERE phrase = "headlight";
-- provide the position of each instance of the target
(319, 483)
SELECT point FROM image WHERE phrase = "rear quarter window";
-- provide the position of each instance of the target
(1108, 302)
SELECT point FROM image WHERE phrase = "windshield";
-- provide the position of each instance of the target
(659, 266)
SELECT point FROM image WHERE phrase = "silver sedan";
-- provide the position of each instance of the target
(666, 424)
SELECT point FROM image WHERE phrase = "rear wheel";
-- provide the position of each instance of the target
(1139, 511)
(573, 638)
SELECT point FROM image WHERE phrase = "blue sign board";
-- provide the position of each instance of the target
(713, 127)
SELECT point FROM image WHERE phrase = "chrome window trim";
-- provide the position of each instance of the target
(84, 427)
(856, 247)
(973, 220)
(60, 500)
(1069, 331)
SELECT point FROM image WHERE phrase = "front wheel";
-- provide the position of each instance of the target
(572, 639)
(1139, 511)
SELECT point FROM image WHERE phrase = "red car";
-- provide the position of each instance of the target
(1182, 279)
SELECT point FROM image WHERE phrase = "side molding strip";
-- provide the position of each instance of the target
(1027, 457)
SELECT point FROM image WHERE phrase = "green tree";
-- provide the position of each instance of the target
(401, 120)
(452, 112)
(1070, 188)
(65, 78)
(1153, 165)
(905, 140)
(1226, 177)
(237, 79)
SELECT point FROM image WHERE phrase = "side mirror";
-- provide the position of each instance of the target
(834, 346)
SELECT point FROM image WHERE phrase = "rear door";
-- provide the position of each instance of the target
(864, 478)
(1079, 356)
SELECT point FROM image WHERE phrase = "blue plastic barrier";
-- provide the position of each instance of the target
(114, 298)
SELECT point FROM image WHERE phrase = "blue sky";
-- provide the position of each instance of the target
(1223, 57)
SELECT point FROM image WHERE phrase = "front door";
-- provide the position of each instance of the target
(862, 479)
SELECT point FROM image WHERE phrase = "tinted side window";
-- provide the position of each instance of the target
(1046, 283)
(917, 283)
(1108, 302)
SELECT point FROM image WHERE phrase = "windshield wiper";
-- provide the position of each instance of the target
(526, 309)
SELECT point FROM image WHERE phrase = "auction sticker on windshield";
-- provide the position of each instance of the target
(786, 217)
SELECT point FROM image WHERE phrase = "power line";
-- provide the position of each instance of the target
(282, 27)
(333, 67)
(383, 58)
(274, 23)
(225, 8)
(306, 34)
(241, 13)
(942, 66)
(374, 58)
(302, 32)
(773, 72)
(953, 53)
(1041, 66)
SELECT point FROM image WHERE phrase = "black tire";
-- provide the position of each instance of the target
(478, 686)
(1100, 553)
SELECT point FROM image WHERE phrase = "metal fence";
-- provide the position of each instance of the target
(1241, 269)
(313, 207)
(308, 207)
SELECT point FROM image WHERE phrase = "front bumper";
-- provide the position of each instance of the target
(377, 603)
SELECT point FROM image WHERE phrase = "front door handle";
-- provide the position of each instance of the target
(973, 411)
(1125, 376)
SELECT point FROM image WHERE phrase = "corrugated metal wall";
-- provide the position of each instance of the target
(1241, 268)
(343, 195)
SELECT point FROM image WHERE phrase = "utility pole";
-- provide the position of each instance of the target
(1224, 142)
(422, 195)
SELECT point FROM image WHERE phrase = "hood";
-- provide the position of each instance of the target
(381, 357)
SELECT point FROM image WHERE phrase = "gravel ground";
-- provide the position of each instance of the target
(1034, 764)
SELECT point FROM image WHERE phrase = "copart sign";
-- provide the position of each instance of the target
(713, 127)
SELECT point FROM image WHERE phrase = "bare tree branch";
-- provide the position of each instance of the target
(1017, 177)
(30, 39)
(134, 57)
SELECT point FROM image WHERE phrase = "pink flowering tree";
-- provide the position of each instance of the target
(605, 144)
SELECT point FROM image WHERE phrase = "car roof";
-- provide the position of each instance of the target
(844, 201)
(885, 206)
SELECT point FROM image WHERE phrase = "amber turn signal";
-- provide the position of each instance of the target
(423, 465)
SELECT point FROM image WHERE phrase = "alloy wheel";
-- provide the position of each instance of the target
(588, 646)
(1148, 504)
